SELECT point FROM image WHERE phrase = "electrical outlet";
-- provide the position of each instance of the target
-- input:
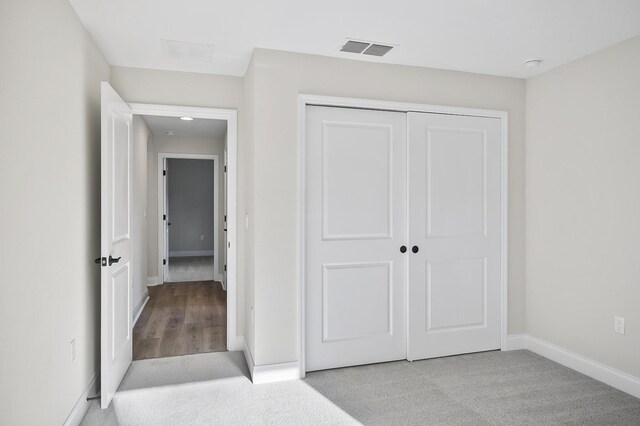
(73, 350)
(618, 326)
(201, 237)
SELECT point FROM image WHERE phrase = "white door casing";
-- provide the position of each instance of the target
(454, 291)
(355, 274)
(164, 218)
(116, 242)
(225, 197)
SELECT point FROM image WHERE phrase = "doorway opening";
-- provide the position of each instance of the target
(191, 248)
(130, 281)
(187, 246)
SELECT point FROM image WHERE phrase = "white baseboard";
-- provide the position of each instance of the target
(276, 372)
(140, 306)
(516, 342)
(191, 253)
(269, 373)
(236, 344)
(154, 281)
(82, 405)
(247, 355)
(594, 369)
(218, 277)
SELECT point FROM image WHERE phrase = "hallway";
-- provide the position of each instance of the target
(182, 319)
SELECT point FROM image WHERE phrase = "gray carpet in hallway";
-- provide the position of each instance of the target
(492, 388)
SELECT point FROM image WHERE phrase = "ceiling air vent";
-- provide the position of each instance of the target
(365, 48)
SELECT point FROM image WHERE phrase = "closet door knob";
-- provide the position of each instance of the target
(415, 249)
(403, 249)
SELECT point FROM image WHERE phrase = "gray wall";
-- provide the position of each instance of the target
(190, 191)
(583, 206)
(50, 209)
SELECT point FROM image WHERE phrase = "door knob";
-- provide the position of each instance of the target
(114, 260)
(403, 249)
(415, 249)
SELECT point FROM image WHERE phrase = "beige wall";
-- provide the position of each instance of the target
(177, 88)
(246, 183)
(152, 203)
(141, 136)
(50, 209)
(583, 206)
(279, 78)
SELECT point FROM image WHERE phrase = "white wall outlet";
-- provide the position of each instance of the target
(73, 350)
(618, 326)
(201, 237)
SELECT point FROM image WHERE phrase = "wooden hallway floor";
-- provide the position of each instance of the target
(182, 319)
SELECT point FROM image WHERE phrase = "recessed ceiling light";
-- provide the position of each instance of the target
(533, 63)
(186, 118)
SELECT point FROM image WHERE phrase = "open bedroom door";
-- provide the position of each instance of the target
(115, 246)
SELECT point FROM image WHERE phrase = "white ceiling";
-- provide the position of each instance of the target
(483, 36)
(198, 128)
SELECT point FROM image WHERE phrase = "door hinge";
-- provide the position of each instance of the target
(225, 169)
(225, 268)
(164, 261)
(164, 173)
(225, 217)
(164, 217)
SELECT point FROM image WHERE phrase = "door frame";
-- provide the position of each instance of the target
(234, 343)
(305, 100)
(162, 195)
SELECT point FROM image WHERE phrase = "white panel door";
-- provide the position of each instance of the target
(355, 220)
(454, 225)
(116, 284)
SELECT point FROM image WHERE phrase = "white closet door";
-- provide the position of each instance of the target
(355, 224)
(454, 222)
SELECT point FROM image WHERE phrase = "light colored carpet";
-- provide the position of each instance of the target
(492, 388)
(208, 389)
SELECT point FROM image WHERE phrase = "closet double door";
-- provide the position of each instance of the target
(402, 236)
